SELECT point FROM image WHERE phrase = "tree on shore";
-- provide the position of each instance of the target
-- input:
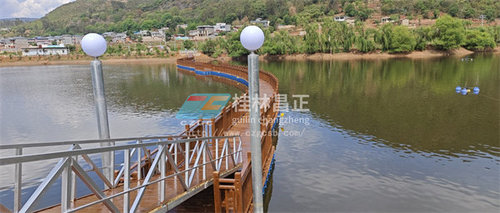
(280, 44)
(209, 47)
(422, 37)
(479, 40)
(312, 39)
(364, 38)
(383, 37)
(402, 40)
(188, 44)
(449, 33)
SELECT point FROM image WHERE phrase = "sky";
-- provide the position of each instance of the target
(28, 8)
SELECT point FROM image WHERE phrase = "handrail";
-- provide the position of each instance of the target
(60, 143)
(241, 193)
(184, 164)
(52, 155)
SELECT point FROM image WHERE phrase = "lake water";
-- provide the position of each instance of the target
(378, 136)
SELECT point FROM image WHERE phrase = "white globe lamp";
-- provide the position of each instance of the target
(94, 44)
(252, 38)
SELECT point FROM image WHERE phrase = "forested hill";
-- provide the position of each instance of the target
(82, 16)
(10, 22)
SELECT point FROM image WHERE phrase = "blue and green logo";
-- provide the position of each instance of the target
(203, 105)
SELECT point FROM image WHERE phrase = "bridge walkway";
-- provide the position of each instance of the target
(173, 188)
(164, 178)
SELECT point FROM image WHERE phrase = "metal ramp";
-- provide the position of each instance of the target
(156, 173)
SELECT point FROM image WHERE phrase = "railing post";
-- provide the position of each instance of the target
(18, 182)
(186, 163)
(162, 172)
(66, 186)
(175, 154)
(217, 198)
(126, 179)
(73, 185)
(203, 144)
(139, 162)
(226, 155)
(217, 154)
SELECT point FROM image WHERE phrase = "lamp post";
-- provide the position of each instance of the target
(252, 39)
(95, 45)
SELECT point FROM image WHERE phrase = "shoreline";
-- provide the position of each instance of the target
(426, 54)
(87, 61)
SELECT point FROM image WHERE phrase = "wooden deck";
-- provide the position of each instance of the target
(175, 193)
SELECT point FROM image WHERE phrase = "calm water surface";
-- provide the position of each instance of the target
(380, 136)
(390, 136)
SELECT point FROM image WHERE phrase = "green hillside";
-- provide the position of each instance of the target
(10, 22)
(82, 16)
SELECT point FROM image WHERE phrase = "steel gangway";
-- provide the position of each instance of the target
(166, 170)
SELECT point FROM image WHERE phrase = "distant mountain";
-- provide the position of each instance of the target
(21, 19)
(82, 16)
(10, 22)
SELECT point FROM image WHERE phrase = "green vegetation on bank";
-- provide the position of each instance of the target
(321, 34)
(83, 16)
(334, 37)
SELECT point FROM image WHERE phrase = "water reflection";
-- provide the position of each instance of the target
(390, 136)
(408, 104)
(382, 135)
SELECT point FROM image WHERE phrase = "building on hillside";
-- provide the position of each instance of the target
(157, 34)
(205, 30)
(260, 21)
(222, 27)
(164, 30)
(67, 40)
(57, 39)
(31, 41)
(45, 50)
(77, 39)
(20, 42)
(109, 34)
(193, 33)
(405, 22)
(143, 33)
(42, 41)
(285, 27)
(349, 20)
(386, 19)
(3, 44)
(340, 18)
(119, 38)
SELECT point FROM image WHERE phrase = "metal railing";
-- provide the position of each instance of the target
(177, 156)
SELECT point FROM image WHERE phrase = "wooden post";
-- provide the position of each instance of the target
(238, 193)
(213, 127)
(187, 130)
(217, 198)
